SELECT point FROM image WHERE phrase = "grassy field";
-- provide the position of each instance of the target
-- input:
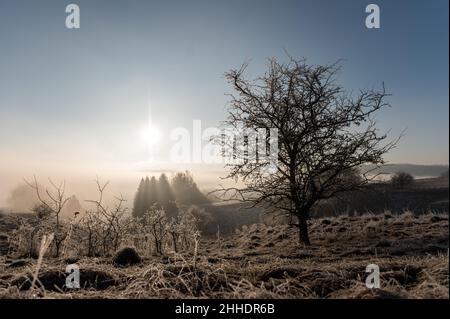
(260, 261)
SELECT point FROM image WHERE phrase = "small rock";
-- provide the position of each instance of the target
(127, 256)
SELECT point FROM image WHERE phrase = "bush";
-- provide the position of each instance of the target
(204, 219)
(42, 211)
(127, 256)
(401, 180)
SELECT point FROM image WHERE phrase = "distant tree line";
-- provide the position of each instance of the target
(402, 180)
(167, 194)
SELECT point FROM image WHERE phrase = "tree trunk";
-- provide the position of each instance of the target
(303, 235)
(174, 240)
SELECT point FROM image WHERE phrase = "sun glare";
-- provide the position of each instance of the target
(150, 135)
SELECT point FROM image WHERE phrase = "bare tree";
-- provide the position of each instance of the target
(182, 229)
(90, 225)
(324, 135)
(110, 222)
(51, 201)
(155, 224)
(174, 230)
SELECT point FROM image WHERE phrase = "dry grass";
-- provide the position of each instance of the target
(260, 261)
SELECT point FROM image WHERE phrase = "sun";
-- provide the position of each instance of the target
(150, 135)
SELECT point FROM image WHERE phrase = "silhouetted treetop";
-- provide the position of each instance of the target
(186, 190)
(325, 133)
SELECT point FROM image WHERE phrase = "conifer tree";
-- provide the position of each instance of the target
(146, 203)
(153, 191)
(186, 190)
(138, 207)
(166, 197)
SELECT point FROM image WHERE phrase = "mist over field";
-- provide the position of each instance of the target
(125, 182)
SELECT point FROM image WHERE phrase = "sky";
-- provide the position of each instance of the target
(74, 102)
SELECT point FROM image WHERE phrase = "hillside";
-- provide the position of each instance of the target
(423, 196)
(261, 261)
(418, 171)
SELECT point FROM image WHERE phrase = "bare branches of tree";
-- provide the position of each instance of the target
(104, 222)
(52, 201)
(56, 196)
(325, 135)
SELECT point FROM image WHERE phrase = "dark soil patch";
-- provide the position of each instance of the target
(55, 280)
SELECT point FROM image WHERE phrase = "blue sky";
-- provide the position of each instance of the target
(81, 96)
